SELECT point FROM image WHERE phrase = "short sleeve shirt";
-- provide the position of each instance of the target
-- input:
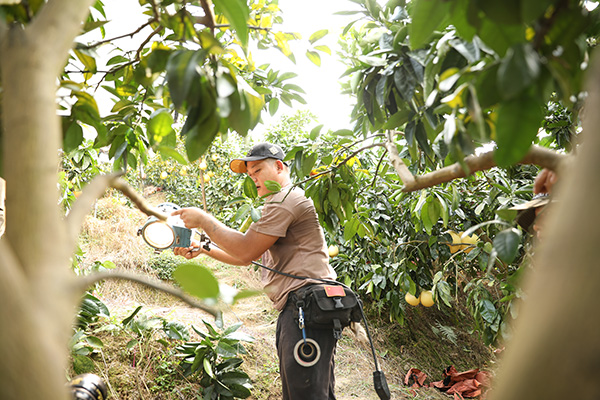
(301, 248)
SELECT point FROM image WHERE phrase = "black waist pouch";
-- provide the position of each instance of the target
(326, 307)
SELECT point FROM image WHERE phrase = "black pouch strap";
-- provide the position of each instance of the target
(337, 329)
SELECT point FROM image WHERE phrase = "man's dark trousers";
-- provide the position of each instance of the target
(298, 382)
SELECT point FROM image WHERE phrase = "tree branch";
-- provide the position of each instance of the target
(131, 35)
(86, 281)
(94, 190)
(537, 155)
(208, 14)
(405, 175)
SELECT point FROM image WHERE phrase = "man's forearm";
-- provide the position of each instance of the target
(224, 257)
(229, 240)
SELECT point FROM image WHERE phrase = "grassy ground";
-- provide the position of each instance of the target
(430, 339)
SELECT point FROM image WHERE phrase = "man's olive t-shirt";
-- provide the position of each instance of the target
(301, 248)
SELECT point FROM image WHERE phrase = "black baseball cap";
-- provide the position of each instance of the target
(260, 151)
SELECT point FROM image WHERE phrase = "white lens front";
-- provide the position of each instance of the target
(159, 235)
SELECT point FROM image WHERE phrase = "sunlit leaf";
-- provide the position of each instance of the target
(314, 57)
(160, 125)
(197, 280)
(250, 188)
(318, 35)
(237, 12)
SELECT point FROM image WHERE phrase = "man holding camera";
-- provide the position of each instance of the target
(290, 240)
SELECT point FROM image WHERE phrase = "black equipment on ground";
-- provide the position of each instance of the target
(88, 387)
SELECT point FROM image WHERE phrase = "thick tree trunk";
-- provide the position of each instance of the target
(36, 296)
(555, 351)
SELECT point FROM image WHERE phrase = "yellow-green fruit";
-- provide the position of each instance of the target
(411, 299)
(426, 298)
(203, 166)
(164, 175)
(333, 250)
(183, 171)
(215, 157)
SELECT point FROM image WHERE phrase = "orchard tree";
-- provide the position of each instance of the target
(193, 60)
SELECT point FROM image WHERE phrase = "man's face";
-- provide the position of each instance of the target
(262, 171)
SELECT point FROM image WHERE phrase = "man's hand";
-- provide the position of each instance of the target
(189, 252)
(192, 217)
(544, 181)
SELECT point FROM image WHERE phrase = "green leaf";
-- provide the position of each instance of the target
(506, 214)
(94, 342)
(405, 81)
(200, 136)
(314, 57)
(350, 228)
(181, 73)
(398, 119)
(254, 102)
(169, 152)
(308, 163)
(237, 13)
(426, 220)
(73, 137)
(518, 122)
(250, 188)
(130, 318)
(273, 105)
(318, 35)
(160, 125)
(343, 132)
(314, 133)
(272, 186)
(197, 280)
(507, 243)
(255, 214)
(82, 364)
(243, 294)
(226, 350)
(89, 62)
(518, 70)
(239, 391)
(421, 136)
(324, 49)
(427, 17)
(500, 37)
(208, 367)
(488, 311)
